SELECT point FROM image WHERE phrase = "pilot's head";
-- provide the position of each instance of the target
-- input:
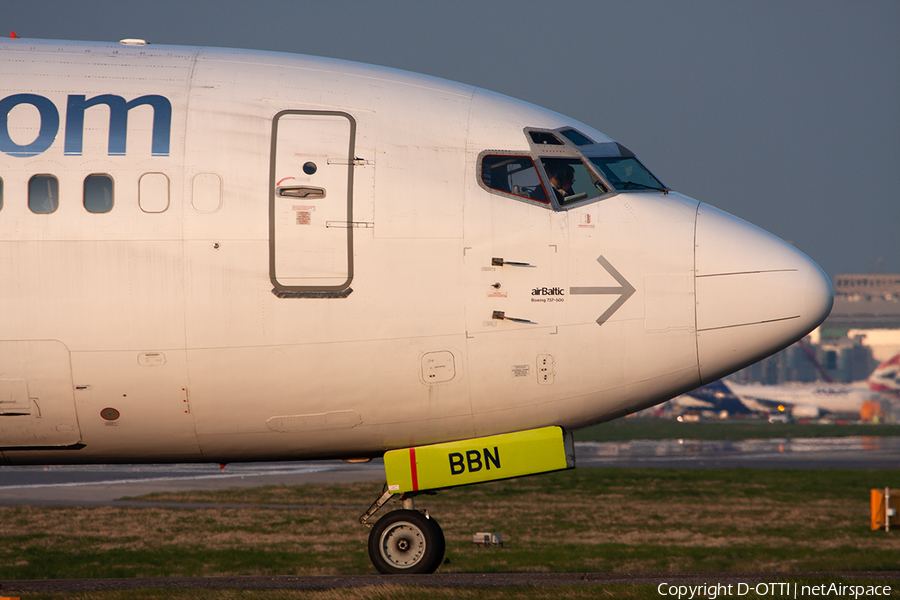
(561, 174)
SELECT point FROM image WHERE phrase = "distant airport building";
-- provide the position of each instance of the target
(862, 330)
(865, 302)
(884, 343)
(840, 360)
(868, 285)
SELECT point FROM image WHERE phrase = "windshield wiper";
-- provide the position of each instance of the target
(641, 185)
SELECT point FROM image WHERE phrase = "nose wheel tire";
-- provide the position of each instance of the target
(406, 541)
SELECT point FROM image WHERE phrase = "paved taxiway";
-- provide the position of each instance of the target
(777, 453)
(83, 485)
(772, 582)
(103, 484)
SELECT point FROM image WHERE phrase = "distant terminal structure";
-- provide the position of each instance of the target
(886, 287)
(867, 301)
(841, 360)
(862, 330)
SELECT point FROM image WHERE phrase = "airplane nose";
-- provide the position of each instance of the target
(755, 293)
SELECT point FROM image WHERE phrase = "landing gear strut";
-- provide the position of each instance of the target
(410, 541)
(404, 541)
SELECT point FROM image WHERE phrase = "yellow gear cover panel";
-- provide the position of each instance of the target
(479, 459)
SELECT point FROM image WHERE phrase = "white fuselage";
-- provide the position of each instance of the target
(222, 311)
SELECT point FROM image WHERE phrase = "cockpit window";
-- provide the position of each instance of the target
(571, 180)
(576, 138)
(514, 175)
(545, 138)
(627, 173)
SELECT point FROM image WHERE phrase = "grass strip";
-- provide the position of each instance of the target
(621, 520)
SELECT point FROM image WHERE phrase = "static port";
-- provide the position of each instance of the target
(109, 414)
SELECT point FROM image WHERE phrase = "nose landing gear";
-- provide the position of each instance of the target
(404, 541)
(410, 541)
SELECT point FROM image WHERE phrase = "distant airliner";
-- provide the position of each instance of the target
(811, 400)
(801, 400)
(218, 255)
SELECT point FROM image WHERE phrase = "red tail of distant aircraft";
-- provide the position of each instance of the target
(886, 378)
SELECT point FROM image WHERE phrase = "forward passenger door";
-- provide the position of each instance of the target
(310, 202)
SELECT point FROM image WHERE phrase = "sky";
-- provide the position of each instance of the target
(784, 113)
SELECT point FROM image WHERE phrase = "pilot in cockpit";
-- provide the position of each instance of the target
(561, 175)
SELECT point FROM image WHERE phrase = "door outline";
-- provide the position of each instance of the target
(341, 290)
(49, 419)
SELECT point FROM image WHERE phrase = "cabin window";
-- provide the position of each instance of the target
(514, 175)
(571, 180)
(43, 194)
(153, 192)
(206, 193)
(98, 193)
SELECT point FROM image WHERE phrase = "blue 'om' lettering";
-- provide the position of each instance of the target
(118, 122)
(77, 104)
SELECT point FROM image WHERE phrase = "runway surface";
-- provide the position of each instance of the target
(84, 485)
(852, 452)
(772, 582)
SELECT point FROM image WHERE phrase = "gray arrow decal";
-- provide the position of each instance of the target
(625, 290)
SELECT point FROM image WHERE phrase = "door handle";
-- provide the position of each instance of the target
(300, 191)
